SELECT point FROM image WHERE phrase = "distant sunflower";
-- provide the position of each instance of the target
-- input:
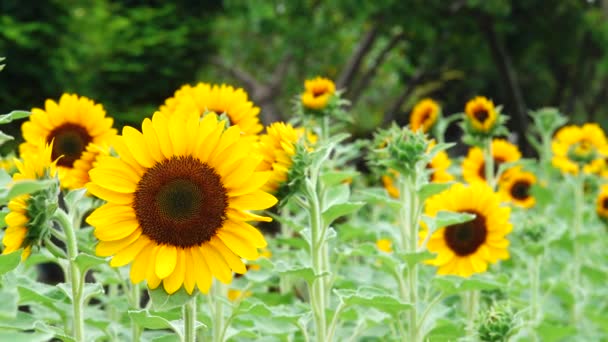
(385, 245)
(601, 206)
(25, 227)
(481, 114)
(466, 248)
(179, 196)
(576, 147)
(515, 187)
(219, 99)
(317, 93)
(424, 115)
(72, 124)
(473, 166)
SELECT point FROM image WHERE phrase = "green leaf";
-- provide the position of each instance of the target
(57, 332)
(51, 297)
(444, 219)
(5, 137)
(5, 179)
(87, 261)
(14, 115)
(431, 189)
(8, 307)
(414, 258)
(21, 321)
(145, 319)
(377, 196)
(9, 262)
(90, 290)
(553, 332)
(373, 297)
(301, 272)
(28, 186)
(336, 195)
(340, 210)
(18, 336)
(336, 177)
(161, 301)
(73, 197)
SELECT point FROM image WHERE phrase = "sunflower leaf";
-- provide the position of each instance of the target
(87, 261)
(9, 262)
(372, 297)
(5, 137)
(431, 189)
(147, 320)
(162, 301)
(444, 219)
(337, 177)
(14, 115)
(339, 210)
(28, 186)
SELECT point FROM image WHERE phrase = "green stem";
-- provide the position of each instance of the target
(136, 301)
(488, 160)
(74, 277)
(218, 290)
(318, 252)
(579, 205)
(472, 307)
(189, 320)
(325, 128)
(535, 307)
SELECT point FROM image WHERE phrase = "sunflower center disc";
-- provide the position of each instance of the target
(464, 238)
(69, 141)
(605, 203)
(520, 190)
(481, 115)
(425, 116)
(180, 202)
(318, 92)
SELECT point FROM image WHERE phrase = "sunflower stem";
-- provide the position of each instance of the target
(472, 307)
(75, 279)
(535, 307)
(579, 205)
(190, 320)
(488, 161)
(318, 296)
(136, 303)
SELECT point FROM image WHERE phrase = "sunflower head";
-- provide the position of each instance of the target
(317, 93)
(221, 99)
(577, 148)
(481, 115)
(424, 115)
(466, 248)
(71, 125)
(29, 218)
(473, 166)
(515, 187)
(385, 245)
(179, 196)
(601, 203)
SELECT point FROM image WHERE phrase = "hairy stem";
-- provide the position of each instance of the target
(190, 320)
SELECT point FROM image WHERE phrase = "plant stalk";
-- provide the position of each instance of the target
(190, 320)
(488, 160)
(319, 251)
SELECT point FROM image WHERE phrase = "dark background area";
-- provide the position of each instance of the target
(386, 54)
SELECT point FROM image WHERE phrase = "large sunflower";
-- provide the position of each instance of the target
(220, 99)
(481, 114)
(515, 187)
(576, 147)
(424, 115)
(25, 226)
(601, 205)
(473, 166)
(318, 92)
(467, 248)
(178, 199)
(72, 124)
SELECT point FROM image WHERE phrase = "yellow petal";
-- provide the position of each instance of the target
(246, 231)
(229, 137)
(15, 219)
(238, 245)
(256, 200)
(137, 145)
(151, 140)
(129, 253)
(235, 263)
(165, 261)
(175, 280)
(239, 215)
(117, 231)
(255, 182)
(210, 143)
(189, 276)
(202, 273)
(139, 267)
(161, 124)
(109, 195)
(119, 144)
(177, 130)
(112, 180)
(107, 248)
(217, 265)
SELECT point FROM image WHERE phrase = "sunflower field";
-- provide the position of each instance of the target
(299, 208)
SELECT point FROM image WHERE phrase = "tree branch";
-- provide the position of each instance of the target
(354, 63)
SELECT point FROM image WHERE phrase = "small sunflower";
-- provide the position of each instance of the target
(179, 196)
(515, 187)
(424, 115)
(576, 147)
(318, 92)
(601, 206)
(28, 217)
(473, 166)
(481, 114)
(220, 99)
(466, 248)
(385, 245)
(72, 124)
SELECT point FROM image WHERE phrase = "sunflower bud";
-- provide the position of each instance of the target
(401, 150)
(496, 323)
(424, 115)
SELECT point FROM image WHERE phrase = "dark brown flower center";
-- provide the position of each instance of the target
(69, 141)
(426, 116)
(605, 203)
(465, 238)
(481, 115)
(520, 190)
(319, 91)
(482, 168)
(180, 202)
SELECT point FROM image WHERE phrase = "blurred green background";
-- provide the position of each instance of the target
(130, 55)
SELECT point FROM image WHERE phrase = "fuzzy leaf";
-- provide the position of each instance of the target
(148, 320)
(14, 115)
(445, 218)
(371, 297)
(161, 301)
(340, 210)
(87, 261)
(27, 187)
(431, 189)
(337, 177)
(9, 262)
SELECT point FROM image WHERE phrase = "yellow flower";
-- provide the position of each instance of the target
(385, 245)
(473, 166)
(601, 206)
(467, 248)
(317, 93)
(179, 196)
(20, 231)
(234, 294)
(219, 99)
(579, 146)
(515, 187)
(424, 115)
(481, 114)
(72, 124)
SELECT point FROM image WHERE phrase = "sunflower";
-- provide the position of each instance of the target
(25, 223)
(385, 245)
(481, 114)
(424, 115)
(72, 124)
(220, 99)
(178, 198)
(602, 203)
(515, 187)
(473, 166)
(317, 93)
(277, 147)
(579, 146)
(466, 248)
